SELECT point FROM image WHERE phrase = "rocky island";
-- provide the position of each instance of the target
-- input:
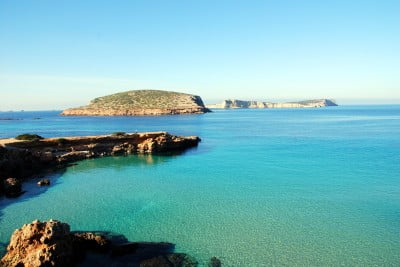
(234, 103)
(141, 103)
(24, 158)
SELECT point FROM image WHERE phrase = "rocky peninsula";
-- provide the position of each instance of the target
(52, 243)
(141, 103)
(23, 158)
(234, 103)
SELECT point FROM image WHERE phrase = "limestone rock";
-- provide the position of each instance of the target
(40, 244)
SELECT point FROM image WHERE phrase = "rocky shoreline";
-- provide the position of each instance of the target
(22, 159)
(133, 112)
(52, 243)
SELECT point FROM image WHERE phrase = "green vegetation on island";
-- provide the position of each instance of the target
(28, 137)
(141, 102)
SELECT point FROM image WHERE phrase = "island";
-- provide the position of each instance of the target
(141, 103)
(234, 103)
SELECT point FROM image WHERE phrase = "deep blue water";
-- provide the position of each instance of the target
(294, 187)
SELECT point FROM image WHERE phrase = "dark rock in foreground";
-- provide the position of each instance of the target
(52, 244)
(40, 244)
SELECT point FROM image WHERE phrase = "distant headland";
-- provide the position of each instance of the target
(141, 103)
(234, 103)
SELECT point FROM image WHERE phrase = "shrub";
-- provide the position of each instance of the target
(118, 134)
(29, 137)
(61, 141)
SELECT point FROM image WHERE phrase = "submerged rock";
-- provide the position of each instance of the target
(144, 249)
(170, 260)
(214, 262)
(12, 187)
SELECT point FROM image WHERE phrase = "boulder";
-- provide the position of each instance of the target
(40, 244)
(12, 187)
(44, 182)
(50, 244)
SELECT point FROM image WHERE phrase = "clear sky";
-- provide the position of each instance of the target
(57, 54)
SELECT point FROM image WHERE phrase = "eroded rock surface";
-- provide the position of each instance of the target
(40, 244)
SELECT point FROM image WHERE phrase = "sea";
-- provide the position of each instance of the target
(265, 187)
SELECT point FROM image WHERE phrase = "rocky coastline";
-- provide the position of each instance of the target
(22, 159)
(236, 104)
(52, 243)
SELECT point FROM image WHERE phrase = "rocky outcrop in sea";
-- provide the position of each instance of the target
(51, 243)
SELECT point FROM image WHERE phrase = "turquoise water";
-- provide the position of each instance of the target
(302, 187)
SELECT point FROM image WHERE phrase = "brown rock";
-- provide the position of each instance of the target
(50, 244)
(39, 244)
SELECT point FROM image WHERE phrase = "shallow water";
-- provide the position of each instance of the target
(265, 187)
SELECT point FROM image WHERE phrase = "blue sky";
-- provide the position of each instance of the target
(56, 54)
